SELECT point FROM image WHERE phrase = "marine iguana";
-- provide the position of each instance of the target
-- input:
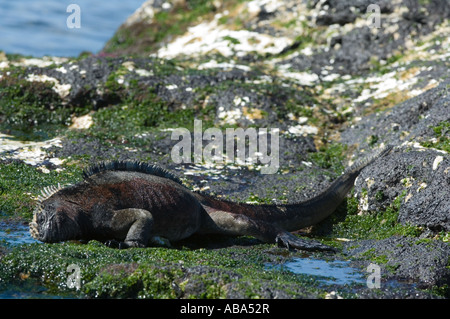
(133, 204)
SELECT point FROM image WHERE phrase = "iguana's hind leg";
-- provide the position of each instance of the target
(240, 225)
(131, 227)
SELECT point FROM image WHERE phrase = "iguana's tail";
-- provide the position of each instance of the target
(359, 165)
(272, 223)
(314, 210)
(346, 181)
(297, 215)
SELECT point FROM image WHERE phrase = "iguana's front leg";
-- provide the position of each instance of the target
(132, 224)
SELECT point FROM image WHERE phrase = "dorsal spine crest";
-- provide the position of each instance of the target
(130, 166)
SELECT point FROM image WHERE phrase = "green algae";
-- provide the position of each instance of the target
(441, 137)
(330, 156)
(372, 225)
(125, 121)
(25, 104)
(147, 37)
(128, 107)
(150, 272)
(20, 183)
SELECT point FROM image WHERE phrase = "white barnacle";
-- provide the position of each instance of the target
(62, 89)
(437, 161)
(370, 181)
(422, 186)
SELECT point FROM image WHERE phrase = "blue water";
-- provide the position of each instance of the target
(15, 234)
(334, 272)
(39, 27)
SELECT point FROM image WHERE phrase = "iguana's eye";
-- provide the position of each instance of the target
(40, 218)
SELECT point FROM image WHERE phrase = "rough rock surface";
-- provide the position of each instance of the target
(420, 178)
(419, 174)
(409, 122)
(421, 261)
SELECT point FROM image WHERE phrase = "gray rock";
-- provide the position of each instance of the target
(424, 262)
(412, 120)
(420, 178)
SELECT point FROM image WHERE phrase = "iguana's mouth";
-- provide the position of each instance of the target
(42, 224)
(34, 229)
(46, 193)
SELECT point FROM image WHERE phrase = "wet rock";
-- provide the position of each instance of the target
(237, 95)
(424, 262)
(420, 179)
(197, 285)
(417, 176)
(339, 18)
(83, 78)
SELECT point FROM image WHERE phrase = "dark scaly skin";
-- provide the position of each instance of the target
(124, 206)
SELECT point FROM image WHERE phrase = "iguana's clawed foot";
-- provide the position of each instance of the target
(116, 244)
(289, 240)
(156, 241)
(121, 244)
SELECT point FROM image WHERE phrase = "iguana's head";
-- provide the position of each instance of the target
(54, 217)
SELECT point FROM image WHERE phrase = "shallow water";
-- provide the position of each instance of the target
(15, 234)
(27, 290)
(335, 272)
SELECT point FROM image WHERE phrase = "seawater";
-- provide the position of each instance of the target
(39, 28)
(334, 272)
(15, 234)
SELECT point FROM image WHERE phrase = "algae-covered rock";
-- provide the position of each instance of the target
(419, 179)
(410, 259)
